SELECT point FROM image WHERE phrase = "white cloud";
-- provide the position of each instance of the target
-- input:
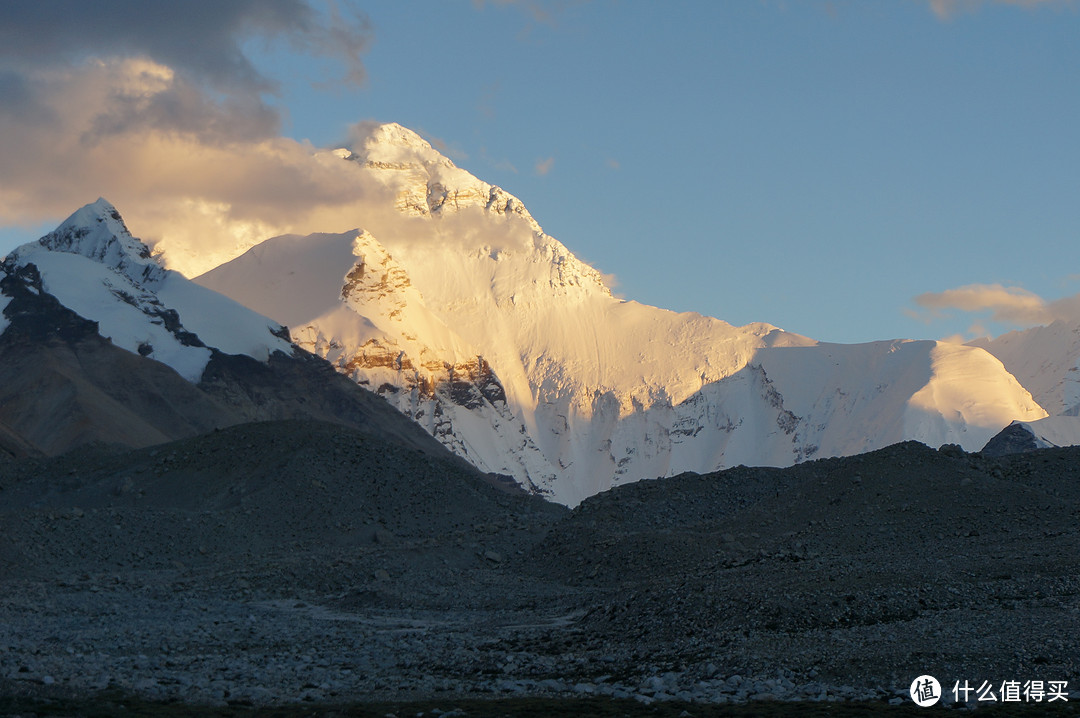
(185, 147)
(1012, 305)
(544, 166)
(997, 304)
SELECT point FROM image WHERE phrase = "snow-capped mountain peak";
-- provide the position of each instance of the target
(392, 146)
(98, 232)
(93, 265)
(425, 182)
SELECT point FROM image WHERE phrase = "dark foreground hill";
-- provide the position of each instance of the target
(298, 561)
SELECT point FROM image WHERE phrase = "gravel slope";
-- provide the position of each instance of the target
(298, 561)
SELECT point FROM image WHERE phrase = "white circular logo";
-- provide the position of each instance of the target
(925, 691)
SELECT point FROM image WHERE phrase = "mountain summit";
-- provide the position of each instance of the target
(94, 266)
(97, 232)
(423, 180)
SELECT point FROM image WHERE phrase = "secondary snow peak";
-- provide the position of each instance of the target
(98, 232)
(94, 267)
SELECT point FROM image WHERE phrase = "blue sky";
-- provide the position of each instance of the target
(815, 165)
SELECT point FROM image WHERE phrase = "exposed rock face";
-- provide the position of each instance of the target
(441, 397)
(1016, 438)
(1022, 436)
(375, 278)
(375, 327)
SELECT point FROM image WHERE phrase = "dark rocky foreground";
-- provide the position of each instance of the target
(304, 564)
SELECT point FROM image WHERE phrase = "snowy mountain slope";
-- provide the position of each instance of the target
(837, 399)
(347, 300)
(93, 265)
(459, 293)
(1046, 360)
(792, 403)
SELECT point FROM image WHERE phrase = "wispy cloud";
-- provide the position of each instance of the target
(170, 66)
(544, 166)
(1012, 305)
(541, 17)
(947, 9)
(995, 303)
(501, 164)
(453, 151)
(184, 169)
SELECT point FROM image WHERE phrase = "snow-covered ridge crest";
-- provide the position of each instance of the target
(94, 266)
(390, 145)
(98, 232)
